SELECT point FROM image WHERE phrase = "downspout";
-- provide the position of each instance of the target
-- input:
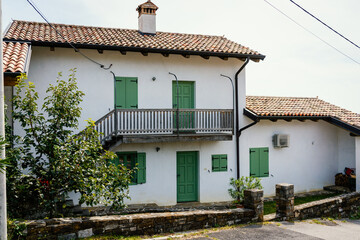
(237, 132)
(115, 110)
(177, 102)
(232, 84)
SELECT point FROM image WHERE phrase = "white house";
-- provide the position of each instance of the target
(174, 112)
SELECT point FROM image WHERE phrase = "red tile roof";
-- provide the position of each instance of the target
(299, 107)
(15, 56)
(126, 39)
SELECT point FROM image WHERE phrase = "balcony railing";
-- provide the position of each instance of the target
(164, 121)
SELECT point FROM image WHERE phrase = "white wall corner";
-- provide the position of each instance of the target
(357, 162)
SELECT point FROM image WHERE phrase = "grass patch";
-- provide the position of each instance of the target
(270, 207)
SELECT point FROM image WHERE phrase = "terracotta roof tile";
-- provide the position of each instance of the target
(37, 32)
(14, 56)
(306, 107)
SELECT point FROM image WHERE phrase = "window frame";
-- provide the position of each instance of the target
(135, 158)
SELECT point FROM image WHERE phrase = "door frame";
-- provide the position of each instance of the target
(197, 175)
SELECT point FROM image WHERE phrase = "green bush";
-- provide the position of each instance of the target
(241, 184)
(15, 229)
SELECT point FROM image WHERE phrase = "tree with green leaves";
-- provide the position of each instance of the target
(56, 160)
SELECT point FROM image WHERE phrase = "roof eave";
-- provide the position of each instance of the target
(332, 120)
(148, 50)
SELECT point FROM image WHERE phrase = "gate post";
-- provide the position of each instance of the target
(253, 199)
(285, 201)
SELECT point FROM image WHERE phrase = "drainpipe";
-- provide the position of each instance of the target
(232, 84)
(237, 132)
(115, 112)
(177, 102)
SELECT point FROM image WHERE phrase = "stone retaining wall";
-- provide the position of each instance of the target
(340, 206)
(136, 224)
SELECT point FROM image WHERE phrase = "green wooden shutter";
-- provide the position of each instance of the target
(254, 162)
(264, 162)
(120, 100)
(219, 163)
(131, 95)
(126, 96)
(223, 163)
(141, 172)
(215, 163)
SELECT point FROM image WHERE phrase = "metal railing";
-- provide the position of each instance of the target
(164, 121)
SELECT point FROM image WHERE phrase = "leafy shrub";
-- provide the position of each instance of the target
(15, 229)
(239, 185)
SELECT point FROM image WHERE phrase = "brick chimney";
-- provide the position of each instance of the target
(147, 17)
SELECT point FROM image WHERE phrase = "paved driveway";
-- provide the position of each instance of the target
(309, 229)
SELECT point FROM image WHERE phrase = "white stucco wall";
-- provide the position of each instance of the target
(160, 186)
(211, 91)
(346, 150)
(310, 162)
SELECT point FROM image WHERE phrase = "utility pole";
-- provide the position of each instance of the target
(3, 214)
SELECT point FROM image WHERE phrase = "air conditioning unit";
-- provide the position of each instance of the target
(280, 140)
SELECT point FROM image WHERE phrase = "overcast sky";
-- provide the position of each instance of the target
(296, 64)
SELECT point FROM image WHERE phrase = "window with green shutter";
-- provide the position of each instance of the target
(126, 93)
(219, 163)
(259, 162)
(133, 160)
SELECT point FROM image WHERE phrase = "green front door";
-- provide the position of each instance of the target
(126, 94)
(187, 176)
(186, 100)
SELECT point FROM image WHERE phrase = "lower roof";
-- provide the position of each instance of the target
(15, 57)
(287, 108)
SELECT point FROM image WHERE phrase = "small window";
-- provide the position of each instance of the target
(132, 160)
(219, 163)
(259, 162)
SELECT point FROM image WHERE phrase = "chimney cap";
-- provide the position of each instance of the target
(147, 5)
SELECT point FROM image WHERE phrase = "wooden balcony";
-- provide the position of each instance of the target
(165, 125)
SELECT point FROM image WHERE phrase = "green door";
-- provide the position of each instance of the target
(187, 176)
(186, 101)
(126, 96)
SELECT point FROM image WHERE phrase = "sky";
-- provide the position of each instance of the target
(297, 64)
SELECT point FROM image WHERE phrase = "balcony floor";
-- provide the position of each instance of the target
(182, 137)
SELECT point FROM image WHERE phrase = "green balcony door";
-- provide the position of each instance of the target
(126, 96)
(187, 176)
(186, 101)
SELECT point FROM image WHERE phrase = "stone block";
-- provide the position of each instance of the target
(85, 233)
(70, 236)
